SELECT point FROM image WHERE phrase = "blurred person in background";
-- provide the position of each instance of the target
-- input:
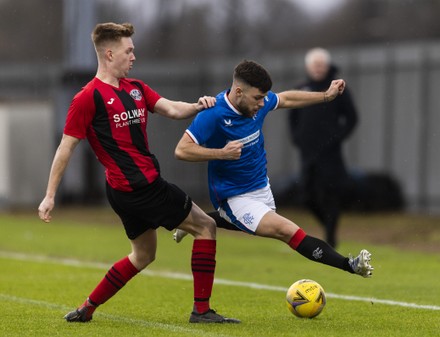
(319, 131)
(111, 111)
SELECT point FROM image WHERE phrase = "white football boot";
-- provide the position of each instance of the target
(361, 264)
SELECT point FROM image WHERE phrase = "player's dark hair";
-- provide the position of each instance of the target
(253, 74)
(110, 31)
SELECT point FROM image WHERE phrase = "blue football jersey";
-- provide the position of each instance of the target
(214, 128)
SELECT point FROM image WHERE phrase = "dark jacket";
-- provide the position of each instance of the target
(321, 128)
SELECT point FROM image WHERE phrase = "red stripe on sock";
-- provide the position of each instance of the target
(203, 268)
(121, 272)
(297, 238)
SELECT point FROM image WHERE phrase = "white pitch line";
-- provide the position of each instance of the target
(331, 295)
(140, 322)
(188, 277)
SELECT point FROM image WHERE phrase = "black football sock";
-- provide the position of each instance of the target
(222, 223)
(320, 251)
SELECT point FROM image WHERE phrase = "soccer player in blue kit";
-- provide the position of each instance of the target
(229, 136)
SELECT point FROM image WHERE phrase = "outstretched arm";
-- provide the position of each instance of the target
(293, 99)
(188, 150)
(182, 110)
(59, 164)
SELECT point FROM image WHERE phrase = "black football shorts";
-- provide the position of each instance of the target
(160, 204)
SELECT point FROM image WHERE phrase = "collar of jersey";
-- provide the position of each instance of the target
(228, 102)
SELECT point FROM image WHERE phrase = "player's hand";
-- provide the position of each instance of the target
(45, 208)
(336, 88)
(232, 150)
(205, 102)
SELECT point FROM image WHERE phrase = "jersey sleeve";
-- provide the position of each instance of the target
(272, 100)
(203, 126)
(151, 97)
(79, 115)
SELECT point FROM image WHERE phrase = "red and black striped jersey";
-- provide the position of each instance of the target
(114, 121)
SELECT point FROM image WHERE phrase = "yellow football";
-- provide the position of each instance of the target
(305, 298)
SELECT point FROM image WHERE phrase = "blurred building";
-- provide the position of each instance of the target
(393, 69)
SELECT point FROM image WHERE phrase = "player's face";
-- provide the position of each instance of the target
(123, 57)
(250, 100)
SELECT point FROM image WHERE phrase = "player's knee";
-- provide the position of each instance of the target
(200, 225)
(210, 226)
(207, 228)
(284, 233)
(143, 259)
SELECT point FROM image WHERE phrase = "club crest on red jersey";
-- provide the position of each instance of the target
(136, 94)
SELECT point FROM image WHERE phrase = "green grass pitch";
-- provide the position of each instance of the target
(47, 270)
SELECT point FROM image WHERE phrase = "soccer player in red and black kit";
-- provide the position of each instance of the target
(111, 111)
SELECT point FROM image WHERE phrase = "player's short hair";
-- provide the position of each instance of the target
(253, 74)
(111, 32)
